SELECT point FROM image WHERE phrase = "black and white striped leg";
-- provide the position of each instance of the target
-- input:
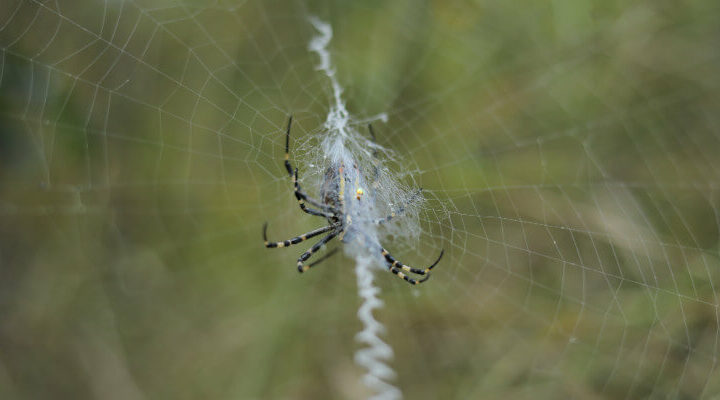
(328, 212)
(288, 167)
(301, 196)
(302, 267)
(323, 258)
(297, 239)
(397, 268)
(407, 278)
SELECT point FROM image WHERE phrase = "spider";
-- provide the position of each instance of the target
(340, 223)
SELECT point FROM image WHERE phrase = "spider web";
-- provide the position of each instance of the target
(567, 152)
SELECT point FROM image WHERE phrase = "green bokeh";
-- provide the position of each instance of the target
(568, 152)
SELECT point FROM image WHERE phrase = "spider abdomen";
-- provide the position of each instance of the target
(330, 190)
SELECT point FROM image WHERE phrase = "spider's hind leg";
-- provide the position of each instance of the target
(301, 266)
(324, 257)
(397, 268)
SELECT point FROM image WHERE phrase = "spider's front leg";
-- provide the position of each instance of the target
(301, 196)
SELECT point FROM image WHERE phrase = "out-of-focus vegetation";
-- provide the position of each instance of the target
(568, 151)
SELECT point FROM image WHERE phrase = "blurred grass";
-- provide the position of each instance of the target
(568, 152)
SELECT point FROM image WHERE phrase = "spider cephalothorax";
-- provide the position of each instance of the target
(335, 192)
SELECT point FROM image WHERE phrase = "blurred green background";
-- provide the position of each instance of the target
(568, 152)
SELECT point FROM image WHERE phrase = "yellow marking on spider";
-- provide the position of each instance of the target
(287, 156)
(359, 193)
(400, 274)
(281, 244)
